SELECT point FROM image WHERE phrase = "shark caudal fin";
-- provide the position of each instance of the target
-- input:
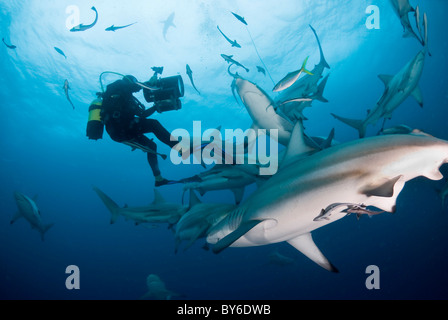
(44, 230)
(357, 124)
(110, 204)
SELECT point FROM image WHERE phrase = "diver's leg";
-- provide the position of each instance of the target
(155, 127)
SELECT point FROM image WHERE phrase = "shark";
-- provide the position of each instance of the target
(157, 289)
(66, 87)
(397, 89)
(368, 172)
(60, 52)
(231, 61)
(159, 211)
(84, 27)
(307, 87)
(113, 27)
(240, 18)
(233, 43)
(29, 210)
(190, 76)
(261, 109)
(225, 177)
(200, 217)
(169, 22)
(402, 8)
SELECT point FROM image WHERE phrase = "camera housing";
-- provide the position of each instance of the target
(166, 93)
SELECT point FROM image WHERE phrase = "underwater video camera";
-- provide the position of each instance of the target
(164, 92)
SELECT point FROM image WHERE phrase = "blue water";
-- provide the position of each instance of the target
(44, 150)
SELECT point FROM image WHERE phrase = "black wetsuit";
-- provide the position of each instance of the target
(125, 120)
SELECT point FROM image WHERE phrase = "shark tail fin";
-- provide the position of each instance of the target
(320, 90)
(303, 69)
(322, 57)
(357, 124)
(110, 204)
(45, 229)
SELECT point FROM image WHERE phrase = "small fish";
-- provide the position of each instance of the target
(261, 70)
(190, 75)
(66, 87)
(60, 52)
(230, 59)
(10, 46)
(233, 43)
(113, 28)
(358, 209)
(240, 18)
(83, 27)
(291, 78)
(297, 100)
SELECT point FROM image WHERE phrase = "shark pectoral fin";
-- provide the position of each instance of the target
(305, 244)
(158, 199)
(194, 200)
(417, 94)
(239, 193)
(386, 78)
(228, 240)
(385, 188)
(16, 216)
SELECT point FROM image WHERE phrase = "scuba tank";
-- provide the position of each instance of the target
(95, 125)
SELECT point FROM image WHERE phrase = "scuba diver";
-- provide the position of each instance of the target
(125, 119)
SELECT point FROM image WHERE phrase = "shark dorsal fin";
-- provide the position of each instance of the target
(305, 244)
(194, 200)
(297, 145)
(158, 199)
(386, 78)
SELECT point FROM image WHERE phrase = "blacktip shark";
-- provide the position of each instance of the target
(199, 219)
(240, 18)
(190, 76)
(233, 43)
(397, 89)
(84, 27)
(157, 289)
(29, 210)
(113, 27)
(159, 211)
(402, 8)
(169, 22)
(261, 109)
(368, 172)
(225, 177)
(66, 87)
(230, 60)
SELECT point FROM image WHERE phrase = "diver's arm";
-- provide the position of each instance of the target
(148, 112)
